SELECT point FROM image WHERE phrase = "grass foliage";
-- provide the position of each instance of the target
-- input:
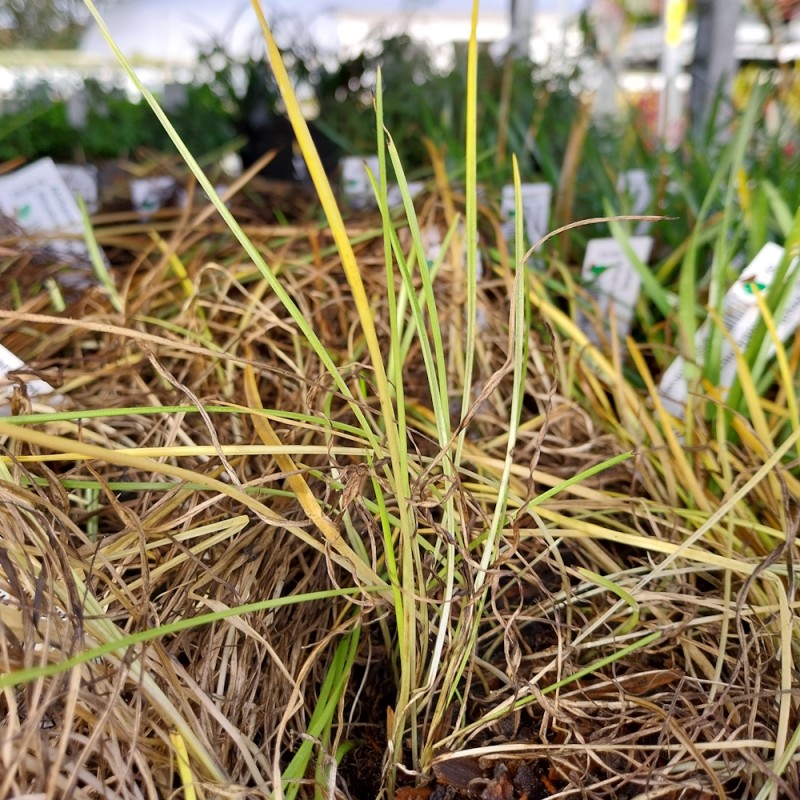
(325, 513)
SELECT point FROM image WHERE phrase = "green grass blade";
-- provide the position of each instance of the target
(98, 261)
(234, 226)
(330, 695)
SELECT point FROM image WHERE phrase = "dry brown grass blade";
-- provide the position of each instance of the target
(121, 458)
(305, 496)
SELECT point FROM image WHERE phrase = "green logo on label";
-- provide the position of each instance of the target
(748, 287)
(24, 211)
(599, 269)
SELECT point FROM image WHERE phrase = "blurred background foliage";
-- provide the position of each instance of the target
(525, 109)
(43, 24)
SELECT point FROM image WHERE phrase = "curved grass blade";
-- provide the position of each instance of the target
(234, 226)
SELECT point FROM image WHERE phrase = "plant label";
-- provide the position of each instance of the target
(611, 279)
(78, 109)
(148, 195)
(231, 164)
(355, 182)
(432, 242)
(536, 198)
(81, 180)
(38, 200)
(175, 96)
(10, 363)
(182, 196)
(635, 185)
(740, 315)
(394, 196)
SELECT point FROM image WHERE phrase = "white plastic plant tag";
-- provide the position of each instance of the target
(432, 242)
(149, 194)
(78, 109)
(611, 279)
(81, 180)
(478, 259)
(635, 183)
(536, 199)
(174, 96)
(11, 363)
(231, 164)
(395, 198)
(182, 196)
(740, 315)
(355, 182)
(38, 200)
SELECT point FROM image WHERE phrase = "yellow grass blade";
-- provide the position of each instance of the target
(333, 215)
(184, 768)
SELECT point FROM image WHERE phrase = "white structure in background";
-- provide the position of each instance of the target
(165, 37)
(671, 106)
(440, 25)
(603, 76)
(173, 32)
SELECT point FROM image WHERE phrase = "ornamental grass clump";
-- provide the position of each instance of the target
(320, 513)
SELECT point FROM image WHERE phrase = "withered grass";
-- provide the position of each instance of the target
(619, 653)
